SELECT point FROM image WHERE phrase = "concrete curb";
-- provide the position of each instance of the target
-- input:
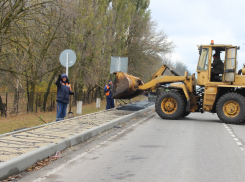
(22, 162)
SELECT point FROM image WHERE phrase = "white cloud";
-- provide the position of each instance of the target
(173, 57)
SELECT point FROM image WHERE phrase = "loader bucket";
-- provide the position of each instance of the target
(126, 86)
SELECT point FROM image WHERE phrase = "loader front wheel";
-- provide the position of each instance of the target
(170, 105)
(230, 108)
(186, 114)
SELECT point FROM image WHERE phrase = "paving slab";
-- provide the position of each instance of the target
(22, 142)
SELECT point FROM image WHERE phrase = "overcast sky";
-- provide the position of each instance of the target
(191, 22)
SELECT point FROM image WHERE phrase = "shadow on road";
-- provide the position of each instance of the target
(206, 120)
(213, 119)
(201, 120)
(188, 118)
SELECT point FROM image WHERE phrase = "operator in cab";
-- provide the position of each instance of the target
(217, 68)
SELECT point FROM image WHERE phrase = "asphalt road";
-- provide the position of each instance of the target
(196, 148)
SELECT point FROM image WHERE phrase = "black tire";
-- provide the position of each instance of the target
(230, 108)
(186, 114)
(170, 105)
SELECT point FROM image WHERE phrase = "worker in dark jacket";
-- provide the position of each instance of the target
(63, 92)
(108, 93)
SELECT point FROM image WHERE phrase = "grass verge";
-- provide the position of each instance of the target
(32, 119)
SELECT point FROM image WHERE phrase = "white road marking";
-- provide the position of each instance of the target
(239, 143)
(234, 137)
(85, 153)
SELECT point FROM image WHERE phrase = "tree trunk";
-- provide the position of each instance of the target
(99, 92)
(87, 97)
(31, 97)
(84, 95)
(80, 91)
(16, 101)
(48, 89)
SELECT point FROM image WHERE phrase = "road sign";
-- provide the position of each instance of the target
(119, 64)
(68, 58)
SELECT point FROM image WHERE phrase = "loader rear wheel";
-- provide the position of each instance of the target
(230, 108)
(170, 105)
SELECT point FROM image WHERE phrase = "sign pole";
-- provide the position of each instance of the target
(68, 59)
(119, 64)
(67, 64)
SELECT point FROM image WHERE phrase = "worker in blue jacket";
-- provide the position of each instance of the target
(63, 92)
(108, 92)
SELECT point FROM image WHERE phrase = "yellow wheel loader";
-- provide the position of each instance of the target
(220, 91)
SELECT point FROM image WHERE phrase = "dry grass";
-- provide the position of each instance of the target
(12, 123)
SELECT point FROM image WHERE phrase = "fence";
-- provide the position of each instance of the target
(19, 102)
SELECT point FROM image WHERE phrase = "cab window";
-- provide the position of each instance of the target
(230, 58)
(203, 60)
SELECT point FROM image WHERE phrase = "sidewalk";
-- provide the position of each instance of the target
(22, 142)
(42, 141)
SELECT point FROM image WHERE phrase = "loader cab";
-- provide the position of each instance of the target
(217, 63)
